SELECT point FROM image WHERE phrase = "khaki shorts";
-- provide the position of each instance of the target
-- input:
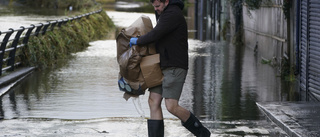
(172, 84)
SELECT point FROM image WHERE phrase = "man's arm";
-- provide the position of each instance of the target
(166, 24)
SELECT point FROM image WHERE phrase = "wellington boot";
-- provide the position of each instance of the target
(155, 128)
(195, 127)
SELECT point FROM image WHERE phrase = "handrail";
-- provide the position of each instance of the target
(9, 46)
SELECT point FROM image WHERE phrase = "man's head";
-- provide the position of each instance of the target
(159, 5)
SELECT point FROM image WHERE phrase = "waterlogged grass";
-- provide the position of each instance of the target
(45, 50)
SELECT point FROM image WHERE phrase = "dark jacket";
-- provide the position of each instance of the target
(170, 36)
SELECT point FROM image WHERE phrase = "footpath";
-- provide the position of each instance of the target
(297, 119)
(8, 81)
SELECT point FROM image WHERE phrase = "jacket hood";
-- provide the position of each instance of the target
(179, 3)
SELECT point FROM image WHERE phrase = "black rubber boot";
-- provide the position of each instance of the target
(195, 127)
(155, 128)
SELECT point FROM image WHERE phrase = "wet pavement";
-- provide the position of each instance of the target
(93, 106)
(81, 97)
(110, 127)
(298, 119)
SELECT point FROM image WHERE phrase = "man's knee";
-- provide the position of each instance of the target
(154, 100)
(171, 105)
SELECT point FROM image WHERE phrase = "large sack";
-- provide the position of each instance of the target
(151, 71)
(129, 58)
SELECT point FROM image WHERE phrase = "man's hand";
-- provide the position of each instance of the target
(133, 41)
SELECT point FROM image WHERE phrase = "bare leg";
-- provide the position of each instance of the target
(175, 109)
(155, 106)
(188, 119)
(155, 123)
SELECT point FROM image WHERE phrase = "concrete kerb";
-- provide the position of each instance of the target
(278, 122)
(10, 80)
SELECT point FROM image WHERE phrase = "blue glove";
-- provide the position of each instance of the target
(133, 41)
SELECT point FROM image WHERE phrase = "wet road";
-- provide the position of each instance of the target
(81, 98)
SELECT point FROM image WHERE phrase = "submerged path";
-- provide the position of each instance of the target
(81, 98)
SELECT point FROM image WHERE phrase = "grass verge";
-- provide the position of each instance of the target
(46, 50)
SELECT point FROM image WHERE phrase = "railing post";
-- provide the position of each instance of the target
(44, 30)
(3, 48)
(65, 21)
(53, 24)
(60, 22)
(27, 36)
(38, 29)
(12, 53)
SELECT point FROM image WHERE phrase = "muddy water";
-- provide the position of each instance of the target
(14, 17)
(81, 97)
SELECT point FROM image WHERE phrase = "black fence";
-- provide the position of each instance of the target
(15, 39)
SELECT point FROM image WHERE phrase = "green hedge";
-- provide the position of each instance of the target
(46, 50)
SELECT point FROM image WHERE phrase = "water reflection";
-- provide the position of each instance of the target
(20, 10)
(228, 80)
(223, 83)
(16, 22)
(83, 88)
(218, 88)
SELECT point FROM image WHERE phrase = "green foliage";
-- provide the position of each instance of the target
(225, 28)
(238, 37)
(46, 50)
(105, 1)
(146, 1)
(286, 8)
(265, 61)
(253, 4)
(286, 70)
(61, 4)
(237, 12)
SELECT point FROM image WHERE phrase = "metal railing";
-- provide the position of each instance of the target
(10, 44)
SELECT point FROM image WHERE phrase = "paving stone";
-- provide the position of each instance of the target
(297, 119)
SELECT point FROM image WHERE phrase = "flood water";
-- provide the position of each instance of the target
(81, 97)
(14, 17)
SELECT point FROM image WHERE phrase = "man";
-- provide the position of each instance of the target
(171, 38)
